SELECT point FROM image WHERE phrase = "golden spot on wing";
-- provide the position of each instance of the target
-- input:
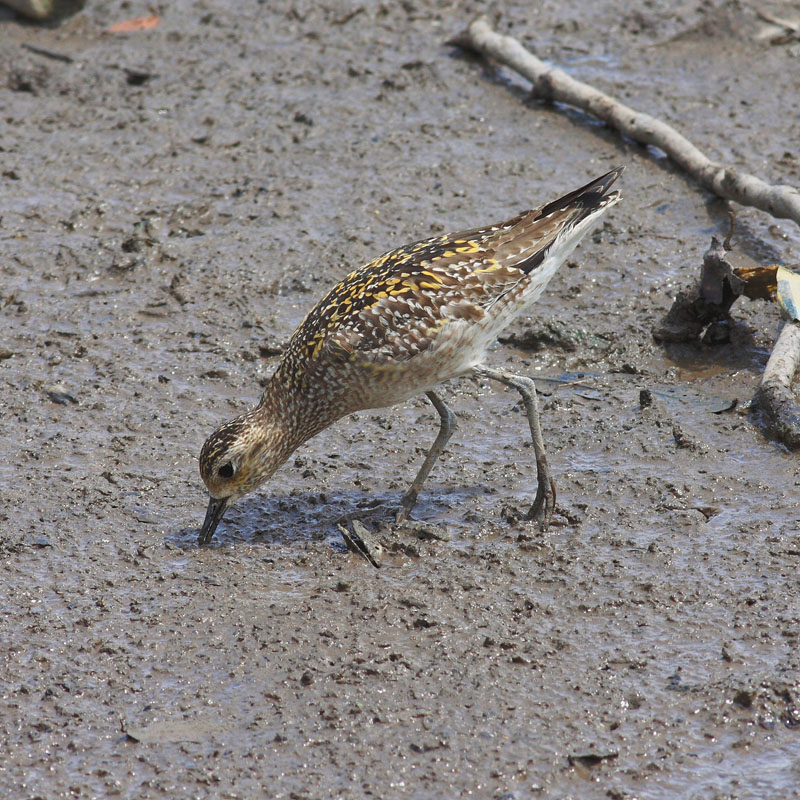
(492, 266)
(394, 306)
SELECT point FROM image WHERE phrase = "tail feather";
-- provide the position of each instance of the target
(530, 241)
(589, 197)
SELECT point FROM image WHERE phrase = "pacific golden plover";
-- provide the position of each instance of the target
(398, 327)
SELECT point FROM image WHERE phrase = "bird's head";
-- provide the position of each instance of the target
(237, 458)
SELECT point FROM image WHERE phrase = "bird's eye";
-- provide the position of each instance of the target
(226, 470)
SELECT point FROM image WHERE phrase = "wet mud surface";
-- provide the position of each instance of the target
(173, 202)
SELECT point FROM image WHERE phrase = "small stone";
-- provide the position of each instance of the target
(58, 394)
(743, 698)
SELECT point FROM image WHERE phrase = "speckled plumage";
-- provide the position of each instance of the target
(397, 327)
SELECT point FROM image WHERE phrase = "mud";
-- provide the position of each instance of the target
(172, 203)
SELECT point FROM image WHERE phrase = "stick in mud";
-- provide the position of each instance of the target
(774, 395)
(554, 84)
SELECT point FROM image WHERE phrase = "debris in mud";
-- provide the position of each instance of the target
(707, 511)
(30, 81)
(685, 396)
(45, 53)
(722, 406)
(137, 77)
(675, 683)
(58, 394)
(34, 9)
(272, 347)
(361, 541)
(779, 31)
(577, 382)
(684, 441)
(788, 293)
(704, 308)
(347, 16)
(775, 395)
(137, 24)
(591, 759)
(744, 698)
(427, 747)
(410, 549)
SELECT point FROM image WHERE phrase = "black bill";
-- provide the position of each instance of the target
(216, 508)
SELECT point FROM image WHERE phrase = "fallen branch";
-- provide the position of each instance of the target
(775, 396)
(554, 84)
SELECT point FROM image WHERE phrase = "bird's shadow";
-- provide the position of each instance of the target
(741, 352)
(313, 516)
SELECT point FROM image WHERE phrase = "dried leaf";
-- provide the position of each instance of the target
(759, 282)
(136, 24)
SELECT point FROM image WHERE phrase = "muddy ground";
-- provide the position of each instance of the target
(172, 203)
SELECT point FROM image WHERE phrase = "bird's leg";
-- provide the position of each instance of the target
(545, 502)
(446, 429)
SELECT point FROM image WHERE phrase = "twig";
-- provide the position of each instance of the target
(774, 395)
(792, 27)
(554, 84)
(40, 51)
(345, 18)
(726, 245)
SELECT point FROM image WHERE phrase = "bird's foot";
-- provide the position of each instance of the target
(544, 505)
(406, 504)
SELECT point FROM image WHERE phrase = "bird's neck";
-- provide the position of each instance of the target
(293, 414)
